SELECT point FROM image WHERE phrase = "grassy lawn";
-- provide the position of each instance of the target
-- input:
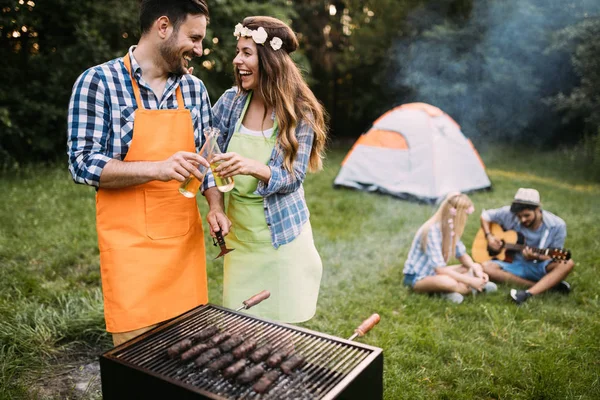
(486, 348)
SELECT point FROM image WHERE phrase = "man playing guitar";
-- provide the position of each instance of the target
(540, 229)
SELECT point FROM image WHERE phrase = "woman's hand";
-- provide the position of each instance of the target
(477, 283)
(478, 272)
(233, 164)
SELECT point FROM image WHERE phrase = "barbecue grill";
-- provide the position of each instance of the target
(312, 365)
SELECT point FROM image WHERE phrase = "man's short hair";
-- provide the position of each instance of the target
(516, 208)
(176, 10)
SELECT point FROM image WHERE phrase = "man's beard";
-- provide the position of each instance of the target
(171, 57)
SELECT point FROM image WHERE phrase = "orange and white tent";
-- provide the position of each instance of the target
(414, 151)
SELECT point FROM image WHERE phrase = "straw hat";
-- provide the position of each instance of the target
(527, 196)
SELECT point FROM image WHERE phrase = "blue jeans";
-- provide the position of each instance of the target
(525, 269)
(410, 280)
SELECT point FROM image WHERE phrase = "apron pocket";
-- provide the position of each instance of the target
(168, 213)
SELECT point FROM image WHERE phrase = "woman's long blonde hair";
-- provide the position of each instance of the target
(459, 202)
(282, 87)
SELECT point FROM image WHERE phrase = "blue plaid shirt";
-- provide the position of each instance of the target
(285, 208)
(102, 109)
(423, 263)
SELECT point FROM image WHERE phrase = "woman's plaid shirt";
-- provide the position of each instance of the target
(285, 208)
(102, 109)
(423, 263)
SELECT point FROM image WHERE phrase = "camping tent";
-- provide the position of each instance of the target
(414, 151)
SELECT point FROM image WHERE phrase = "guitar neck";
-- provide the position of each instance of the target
(519, 247)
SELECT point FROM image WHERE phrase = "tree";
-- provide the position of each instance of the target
(45, 45)
(582, 104)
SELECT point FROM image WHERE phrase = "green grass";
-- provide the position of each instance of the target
(485, 348)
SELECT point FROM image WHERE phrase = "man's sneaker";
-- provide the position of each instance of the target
(519, 296)
(562, 287)
(453, 297)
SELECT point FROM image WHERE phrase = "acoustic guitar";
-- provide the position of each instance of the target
(511, 242)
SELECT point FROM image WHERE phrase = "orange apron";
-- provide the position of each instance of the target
(152, 256)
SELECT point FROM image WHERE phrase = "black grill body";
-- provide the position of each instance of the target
(335, 368)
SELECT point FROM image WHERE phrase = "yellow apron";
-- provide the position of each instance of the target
(152, 255)
(292, 273)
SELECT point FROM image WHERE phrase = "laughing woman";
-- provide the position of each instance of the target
(273, 132)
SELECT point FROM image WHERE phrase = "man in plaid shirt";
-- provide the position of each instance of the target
(134, 128)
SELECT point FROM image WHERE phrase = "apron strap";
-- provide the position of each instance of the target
(241, 118)
(136, 88)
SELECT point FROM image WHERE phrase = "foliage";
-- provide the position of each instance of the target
(348, 44)
(51, 307)
(583, 102)
(486, 64)
(44, 46)
(490, 70)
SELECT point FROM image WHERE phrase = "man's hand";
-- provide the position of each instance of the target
(529, 254)
(494, 243)
(218, 221)
(179, 166)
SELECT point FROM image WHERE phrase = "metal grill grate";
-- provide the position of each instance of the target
(330, 362)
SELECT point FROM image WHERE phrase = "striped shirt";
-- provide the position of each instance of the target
(284, 204)
(102, 109)
(423, 263)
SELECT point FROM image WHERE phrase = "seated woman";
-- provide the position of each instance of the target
(426, 269)
(273, 132)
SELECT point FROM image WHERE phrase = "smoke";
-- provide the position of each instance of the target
(488, 67)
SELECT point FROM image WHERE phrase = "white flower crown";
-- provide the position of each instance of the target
(258, 35)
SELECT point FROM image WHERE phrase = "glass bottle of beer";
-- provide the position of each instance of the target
(223, 184)
(189, 187)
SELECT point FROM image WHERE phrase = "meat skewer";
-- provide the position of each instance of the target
(234, 368)
(254, 300)
(218, 338)
(205, 334)
(261, 353)
(179, 347)
(291, 363)
(232, 342)
(266, 381)
(251, 374)
(195, 351)
(221, 362)
(187, 343)
(276, 358)
(247, 346)
(207, 356)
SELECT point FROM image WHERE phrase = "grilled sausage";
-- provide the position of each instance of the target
(219, 337)
(266, 381)
(251, 374)
(291, 363)
(207, 356)
(244, 348)
(277, 357)
(179, 347)
(195, 351)
(230, 343)
(261, 353)
(234, 369)
(205, 334)
(221, 362)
